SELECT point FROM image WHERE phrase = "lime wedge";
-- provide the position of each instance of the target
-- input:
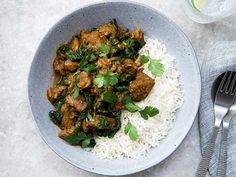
(199, 4)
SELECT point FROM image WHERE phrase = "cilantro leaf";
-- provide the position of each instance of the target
(131, 130)
(76, 91)
(109, 96)
(111, 79)
(89, 116)
(127, 127)
(106, 79)
(104, 50)
(148, 111)
(85, 143)
(133, 134)
(156, 68)
(90, 67)
(127, 99)
(144, 59)
(132, 107)
(129, 104)
(99, 80)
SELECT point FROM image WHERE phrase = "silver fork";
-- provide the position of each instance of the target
(222, 163)
(222, 103)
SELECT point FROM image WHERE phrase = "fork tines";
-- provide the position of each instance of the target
(228, 83)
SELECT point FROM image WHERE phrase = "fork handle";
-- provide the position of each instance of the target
(222, 163)
(207, 153)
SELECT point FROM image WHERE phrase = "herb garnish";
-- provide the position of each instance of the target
(155, 66)
(75, 94)
(104, 50)
(148, 111)
(131, 130)
(145, 113)
(106, 79)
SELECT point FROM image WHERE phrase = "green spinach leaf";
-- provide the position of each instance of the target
(114, 22)
(103, 123)
(56, 116)
(109, 96)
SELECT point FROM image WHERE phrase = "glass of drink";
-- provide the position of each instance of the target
(207, 11)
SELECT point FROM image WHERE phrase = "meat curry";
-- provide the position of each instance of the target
(96, 73)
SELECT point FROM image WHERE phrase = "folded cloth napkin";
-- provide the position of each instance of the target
(220, 58)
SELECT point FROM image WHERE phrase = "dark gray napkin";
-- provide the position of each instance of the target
(220, 57)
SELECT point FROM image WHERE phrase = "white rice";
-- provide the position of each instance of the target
(166, 95)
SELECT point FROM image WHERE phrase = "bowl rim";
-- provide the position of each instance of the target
(196, 63)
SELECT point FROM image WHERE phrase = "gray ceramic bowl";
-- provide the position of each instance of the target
(129, 15)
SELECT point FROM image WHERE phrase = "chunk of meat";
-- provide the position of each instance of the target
(79, 103)
(68, 121)
(92, 39)
(130, 66)
(66, 132)
(107, 29)
(105, 64)
(74, 43)
(85, 80)
(59, 65)
(116, 65)
(141, 86)
(70, 79)
(97, 123)
(118, 68)
(54, 92)
(122, 32)
(68, 111)
(138, 34)
(70, 65)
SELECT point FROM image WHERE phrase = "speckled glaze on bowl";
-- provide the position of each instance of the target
(129, 15)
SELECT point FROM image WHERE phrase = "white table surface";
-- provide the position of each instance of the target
(23, 23)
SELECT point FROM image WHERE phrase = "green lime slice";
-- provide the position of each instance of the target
(199, 4)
